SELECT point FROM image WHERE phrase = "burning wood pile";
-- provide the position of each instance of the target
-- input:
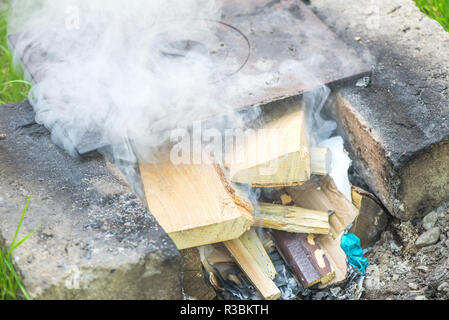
(272, 194)
(272, 197)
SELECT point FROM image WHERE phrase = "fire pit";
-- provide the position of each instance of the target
(251, 232)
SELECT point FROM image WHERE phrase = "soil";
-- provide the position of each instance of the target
(399, 270)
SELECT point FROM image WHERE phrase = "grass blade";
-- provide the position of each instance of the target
(25, 209)
(25, 238)
(9, 279)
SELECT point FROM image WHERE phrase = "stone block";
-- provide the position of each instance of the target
(96, 239)
(397, 128)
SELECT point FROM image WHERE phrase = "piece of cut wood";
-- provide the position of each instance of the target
(211, 257)
(195, 204)
(358, 194)
(325, 196)
(252, 243)
(320, 160)
(214, 253)
(372, 219)
(305, 256)
(292, 218)
(267, 241)
(336, 257)
(263, 284)
(276, 154)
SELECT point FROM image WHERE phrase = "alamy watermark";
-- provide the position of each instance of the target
(231, 146)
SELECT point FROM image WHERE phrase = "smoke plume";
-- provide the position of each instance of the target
(132, 71)
(128, 70)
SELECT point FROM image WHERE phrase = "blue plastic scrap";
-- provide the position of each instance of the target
(350, 244)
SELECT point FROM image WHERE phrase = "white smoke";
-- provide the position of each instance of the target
(135, 70)
(113, 67)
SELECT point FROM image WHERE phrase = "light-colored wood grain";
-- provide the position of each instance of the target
(252, 243)
(292, 218)
(325, 196)
(336, 256)
(194, 203)
(263, 284)
(320, 160)
(276, 154)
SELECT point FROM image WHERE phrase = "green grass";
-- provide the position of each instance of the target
(9, 279)
(436, 9)
(12, 86)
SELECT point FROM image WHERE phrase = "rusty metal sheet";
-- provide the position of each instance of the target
(287, 31)
(280, 47)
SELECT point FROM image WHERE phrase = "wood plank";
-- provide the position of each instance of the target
(325, 196)
(336, 257)
(263, 284)
(305, 257)
(254, 245)
(194, 203)
(292, 219)
(276, 154)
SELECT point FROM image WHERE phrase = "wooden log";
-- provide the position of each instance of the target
(325, 196)
(274, 155)
(252, 243)
(195, 204)
(263, 284)
(304, 256)
(321, 160)
(292, 219)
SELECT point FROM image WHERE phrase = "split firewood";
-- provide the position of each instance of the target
(195, 204)
(336, 257)
(321, 160)
(324, 196)
(276, 154)
(256, 275)
(212, 254)
(292, 219)
(223, 271)
(212, 257)
(252, 243)
(305, 257)
(267, 241)
(372, 218)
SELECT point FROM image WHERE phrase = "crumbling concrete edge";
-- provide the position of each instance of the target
(396, 183)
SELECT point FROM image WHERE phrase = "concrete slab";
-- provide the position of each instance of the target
(96, 241)
(398, 126)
